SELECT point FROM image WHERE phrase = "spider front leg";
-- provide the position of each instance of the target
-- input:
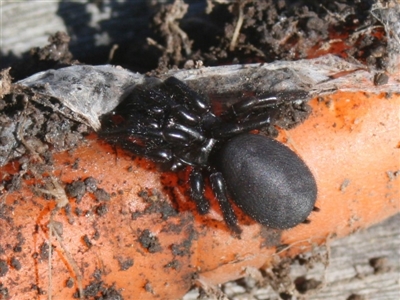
(159, 155)
(219, 188)
(187, 96)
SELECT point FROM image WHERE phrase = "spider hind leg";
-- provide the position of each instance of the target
(197, 192)
(219, 188)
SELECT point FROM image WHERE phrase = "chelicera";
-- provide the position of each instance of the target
(169, 123)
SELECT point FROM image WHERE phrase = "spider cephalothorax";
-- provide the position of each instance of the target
(171, 124)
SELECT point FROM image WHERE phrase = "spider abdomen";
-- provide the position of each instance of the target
(267, 180)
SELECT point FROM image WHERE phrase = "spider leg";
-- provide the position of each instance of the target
(191, 133)
(226, 130)
(158, 154)
(248, 105)
(145, 127)
(193, 101)
(198, 154)
(219, 187)
(197, 192)
(186, 95)
(263, 101)
(154, 98)
(307, 221)
(253, 113)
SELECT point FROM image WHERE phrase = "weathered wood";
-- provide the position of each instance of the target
(350, 271)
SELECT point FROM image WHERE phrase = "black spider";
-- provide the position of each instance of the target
(169, 123)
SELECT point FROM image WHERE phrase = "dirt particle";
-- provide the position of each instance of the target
(355, 297)
(344, 185)
(124, 263)
(76, 190)
(38, 290)
(101, 209)
(58, 227)
(69, 283)
(393, 174)
(380, 79)
(44, 251)
(285, 296)
(17, 248)
(111, 294)
(91, 184)
(3, 292)
(67, 209)
(75, 165)
(3, 267)
(15, 183)
(96, 235)
(181, 249)
(304, 285)
(289, 115)
(379, 264)
(174, 264)
(271, 237)
(136, 214)
(156, 204)
(93, 289)
(97, 274)
(99, 290)
(148, 287)
(4, 213)
(149, 241)
(87, 241)
(78, 212)
(102, 195)
(16, 264)
(166, 210)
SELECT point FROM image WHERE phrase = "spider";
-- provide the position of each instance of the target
(171, 124)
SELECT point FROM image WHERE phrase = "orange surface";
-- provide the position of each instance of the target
(350, 142)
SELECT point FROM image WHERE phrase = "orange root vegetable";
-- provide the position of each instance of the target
(113, 227)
